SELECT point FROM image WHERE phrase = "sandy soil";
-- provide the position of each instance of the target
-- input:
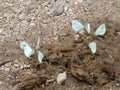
(51, 20)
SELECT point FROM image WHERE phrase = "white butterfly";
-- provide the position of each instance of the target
(88, 27)
(92, 46)
(28, 51)
(100, 31)
(40, 56)
(77, 26)
(23, 44)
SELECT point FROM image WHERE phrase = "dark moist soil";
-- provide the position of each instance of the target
(85, 71)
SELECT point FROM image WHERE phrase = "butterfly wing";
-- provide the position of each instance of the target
(92, 46)
(100, 31)
(28, 51)
(88, 27)
(40, 56)
(77, 26)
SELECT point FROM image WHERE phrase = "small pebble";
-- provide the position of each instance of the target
(32, 25)
(65, 8)
(22, 16)
(7, 69)
(76, 36)
(3, 33)
(61, 77)
(16, 65)
(56, 11)
(78, 1)
(117, 84)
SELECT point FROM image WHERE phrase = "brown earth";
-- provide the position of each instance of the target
(63, 49)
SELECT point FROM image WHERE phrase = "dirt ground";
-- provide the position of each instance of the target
(64, 52)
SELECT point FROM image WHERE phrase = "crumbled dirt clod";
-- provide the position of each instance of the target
(93, 69)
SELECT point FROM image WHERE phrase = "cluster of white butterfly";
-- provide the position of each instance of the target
(76, 26)
(100, 31)
(29, 51)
